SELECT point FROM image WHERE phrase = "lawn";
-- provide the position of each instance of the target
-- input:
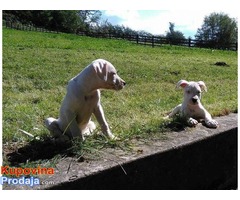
(37, 67)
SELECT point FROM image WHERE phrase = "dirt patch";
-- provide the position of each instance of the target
(221, 64)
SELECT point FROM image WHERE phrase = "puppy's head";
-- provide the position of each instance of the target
(108, 75)
(192, 91)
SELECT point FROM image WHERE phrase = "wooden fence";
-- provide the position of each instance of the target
(23, 27)
(154, 41)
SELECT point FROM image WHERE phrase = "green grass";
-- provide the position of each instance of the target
(37, 67)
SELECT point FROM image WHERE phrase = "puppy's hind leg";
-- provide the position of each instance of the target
(52, 126)
(175, 111)
(88, 130)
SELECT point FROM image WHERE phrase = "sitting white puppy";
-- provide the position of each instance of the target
(83, 99)
(191, 109)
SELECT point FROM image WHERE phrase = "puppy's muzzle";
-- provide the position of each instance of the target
(121, 85)
(195, 99)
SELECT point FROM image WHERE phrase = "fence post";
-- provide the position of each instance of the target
(137, 38)
(236, 46)
(152, 41)
(189, 42)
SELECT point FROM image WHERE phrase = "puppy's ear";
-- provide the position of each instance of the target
(182, 83)
(101, 69)
(202, 86)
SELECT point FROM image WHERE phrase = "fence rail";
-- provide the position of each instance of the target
(23, 27)
(154, 41)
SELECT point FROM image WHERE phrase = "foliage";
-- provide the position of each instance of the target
(218, 30)
(88, 19)
(69, 21)
(173, 36)
(108, 28)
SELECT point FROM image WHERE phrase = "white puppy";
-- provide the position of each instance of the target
(83, 99)
(191, 109)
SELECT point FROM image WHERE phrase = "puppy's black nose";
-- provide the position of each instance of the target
(124, 83)
(194, 100)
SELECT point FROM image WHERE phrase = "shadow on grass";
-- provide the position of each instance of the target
(176, 127)
(47, 148)
(35, 150)
(176, 124)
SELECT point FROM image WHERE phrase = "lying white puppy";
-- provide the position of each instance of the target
(191, 109)
(83, 99)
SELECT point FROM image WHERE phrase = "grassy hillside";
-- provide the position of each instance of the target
(37, 67)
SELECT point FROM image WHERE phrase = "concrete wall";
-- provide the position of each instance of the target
(194, 158)
(206, 163)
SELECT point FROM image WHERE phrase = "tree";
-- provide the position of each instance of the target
(64, 20)
(89, 19)
(17, 16)
(173, 36)
(59, 20)
(218, 31)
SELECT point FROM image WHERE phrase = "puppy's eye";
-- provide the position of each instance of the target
(188, 91)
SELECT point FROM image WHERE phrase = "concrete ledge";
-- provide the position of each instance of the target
(198, 158)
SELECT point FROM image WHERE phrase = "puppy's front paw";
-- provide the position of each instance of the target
(212, 123)
(166, 117)
(111, 136)
(192, 122)
(115, 138)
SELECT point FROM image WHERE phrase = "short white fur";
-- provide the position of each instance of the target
(191, 108)
(83, 99)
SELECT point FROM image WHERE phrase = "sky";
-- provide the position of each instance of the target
(157, 21)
